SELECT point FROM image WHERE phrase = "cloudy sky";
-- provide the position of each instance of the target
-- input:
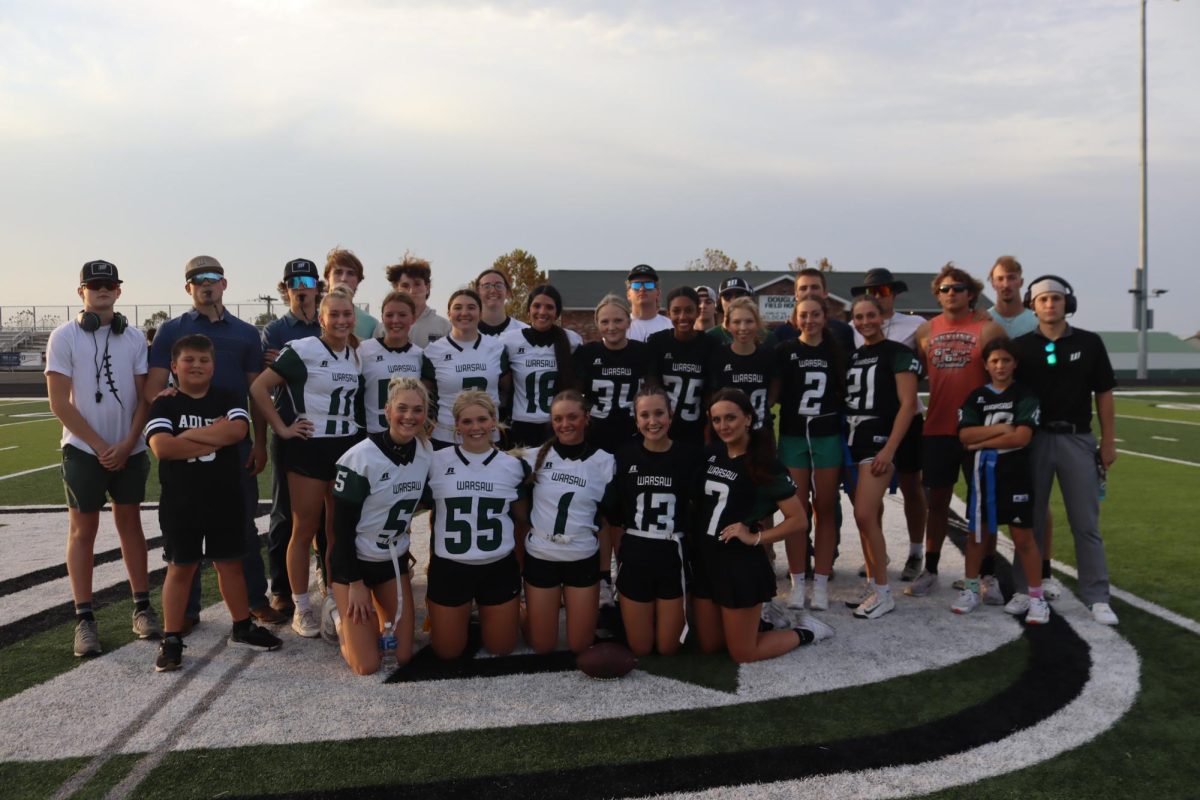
(596, 136)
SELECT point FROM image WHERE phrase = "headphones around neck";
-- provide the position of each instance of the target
(90, 322)
(1072, 302)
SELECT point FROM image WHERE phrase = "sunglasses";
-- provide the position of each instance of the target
(947, 288)
(302, 282)
(880, 291)
(1051, 355)
(206, 277)
(101, 284)
(647, 285)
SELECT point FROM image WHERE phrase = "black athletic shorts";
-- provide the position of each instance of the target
(453, 583)
(87, 482)
(215, 532)
(867, 438)
(1010, 490)
(941, 461)
(374, 573)
(908, 454)
(530, 435)
(649, 569)
(544, 574)
(316, 458)
(732, 575)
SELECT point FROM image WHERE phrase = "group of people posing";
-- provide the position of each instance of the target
(540, 456)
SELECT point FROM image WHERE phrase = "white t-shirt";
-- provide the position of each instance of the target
(900, 328)
(100, 362)
(640, 329)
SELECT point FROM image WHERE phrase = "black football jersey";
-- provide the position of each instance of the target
(751, 373)
(651, 491)
(610, 379)
(811, 388)
(682, 368)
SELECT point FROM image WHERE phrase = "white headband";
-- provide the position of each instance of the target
(1048, 285)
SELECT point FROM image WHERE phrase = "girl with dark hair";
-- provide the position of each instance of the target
(540, 359)
(881, 399)
(389, 356)
(741, 482)
(679, 362)
(465, 359)
(649, 502)
(812, 373)
(569, 479)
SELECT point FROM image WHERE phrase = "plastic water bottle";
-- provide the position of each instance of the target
(387, 648)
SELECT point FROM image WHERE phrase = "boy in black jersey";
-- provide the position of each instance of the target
(194, 433)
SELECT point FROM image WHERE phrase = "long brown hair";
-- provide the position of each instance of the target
(565, 396)
(760, 451)
(562, 345)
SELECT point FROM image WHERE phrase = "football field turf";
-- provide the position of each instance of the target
(921, 703)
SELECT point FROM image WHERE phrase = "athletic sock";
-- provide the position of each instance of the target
(883, 589)
(303, 604)
(141, 601)
(1046, 569)
(797, 579)
(84, 611)
(931, 562)
(971, 584)
(1036, 592)
(988, 567)
(241, 625)
(916, 549)
(821, 580)
(806, 636)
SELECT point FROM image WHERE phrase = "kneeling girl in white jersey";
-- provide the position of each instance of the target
(569, 480)
(378, 486)
(479, 496)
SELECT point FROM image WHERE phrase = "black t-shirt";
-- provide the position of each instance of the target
(1064, 388)
(726, 494)
(204, 482)
(812, 387)
(681, 368)
(610, 379)
(652, 491)
(871, 378)
(751, 373)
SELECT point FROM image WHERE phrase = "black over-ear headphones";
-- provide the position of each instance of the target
(1072, 302)
(90, 321)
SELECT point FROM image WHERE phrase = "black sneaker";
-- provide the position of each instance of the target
(255, 638)
(170, 654)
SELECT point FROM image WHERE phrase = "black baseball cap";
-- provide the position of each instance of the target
(98, 270)
(642, 272)
(736, 284)
(300, 268)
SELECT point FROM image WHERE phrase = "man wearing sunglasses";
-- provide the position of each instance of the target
(951, 347)
(301, 289)
(237, 360)
(1067, 367)
(95, 373)
(643, 290)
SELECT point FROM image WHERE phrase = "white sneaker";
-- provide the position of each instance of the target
(860, 595)
(774, 615)
(1018, 605)
(966, 602)
(796, 595)
(305, 623)
(820, 597)
(925, 584)
(1052, 588)
(990, 588)
(1039, 611)
(1103, 613)
(820, 630)
(875, 606)
(606, 594)
(328, 625)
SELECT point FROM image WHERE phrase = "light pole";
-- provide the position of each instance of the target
(1141, 315)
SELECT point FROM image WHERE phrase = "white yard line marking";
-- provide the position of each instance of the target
(28, 472)
(1164, 438)
(1156, 419)
(26, 421)
(1159, 458)
(10, 447)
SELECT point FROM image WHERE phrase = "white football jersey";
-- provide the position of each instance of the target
(566, 498)
(380, 364)
(534, 373)
(388, 492)
(322, 384)
(455, 367)
(472, 500)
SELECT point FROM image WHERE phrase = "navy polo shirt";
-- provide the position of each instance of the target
(275, 335)
(237, 349)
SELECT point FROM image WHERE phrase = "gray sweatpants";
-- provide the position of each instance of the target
(1070, 457)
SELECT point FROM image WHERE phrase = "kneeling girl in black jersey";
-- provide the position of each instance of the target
(479, 495)
(740, 482)
(379, 483)
(649, 499)
(569, 479)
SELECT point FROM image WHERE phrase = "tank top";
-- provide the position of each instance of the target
(954, 361)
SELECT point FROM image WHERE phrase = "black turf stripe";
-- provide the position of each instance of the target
(30, 579)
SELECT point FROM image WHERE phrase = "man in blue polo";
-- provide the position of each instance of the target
(238, 357)
(301, 289)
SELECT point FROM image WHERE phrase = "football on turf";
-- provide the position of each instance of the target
(606, 661)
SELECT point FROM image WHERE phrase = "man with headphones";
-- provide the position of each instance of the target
(1066, 367)
(95, 374)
